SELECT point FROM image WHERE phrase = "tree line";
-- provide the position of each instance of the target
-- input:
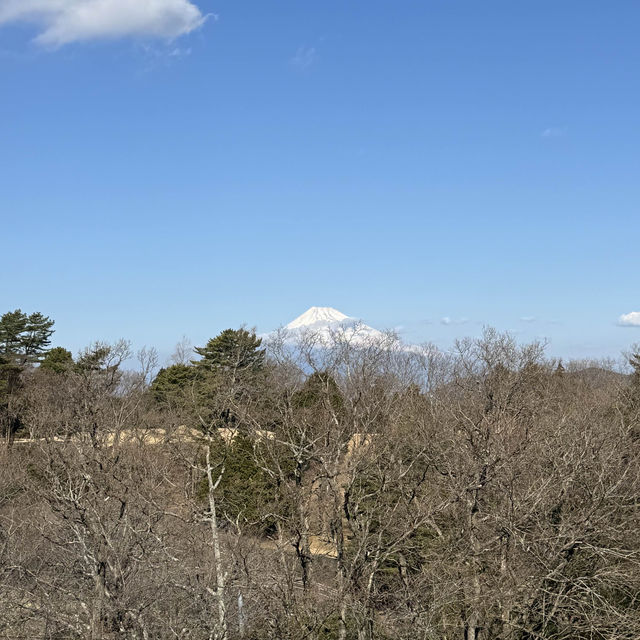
(310, 490)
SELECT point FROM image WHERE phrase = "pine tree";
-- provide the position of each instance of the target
(320, 404)
(171, 383)
(24, 339)
(320, 389)
(246, 492)
(13, 324)
(232, 350)
(229, 368)
(57, 360)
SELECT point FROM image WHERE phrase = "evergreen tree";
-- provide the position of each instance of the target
(57, 360)
(229, 368)
(24, 338)
(23, 341)
(246, 492)
(171, 382)
(94, 358)
(319, 405)
(320, 390)
(232, 350)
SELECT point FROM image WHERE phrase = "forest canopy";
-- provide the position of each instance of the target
(273, 490)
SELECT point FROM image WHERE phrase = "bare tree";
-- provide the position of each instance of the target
(346, 490)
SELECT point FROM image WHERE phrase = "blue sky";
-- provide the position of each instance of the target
(435, 166)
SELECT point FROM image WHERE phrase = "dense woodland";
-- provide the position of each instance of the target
(315, 491)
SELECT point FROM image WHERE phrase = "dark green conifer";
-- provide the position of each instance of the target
(171, 382)
(246, 492)
(57, 360)
(232, 350)
(320, 389)
(23, 341)
(24, 338)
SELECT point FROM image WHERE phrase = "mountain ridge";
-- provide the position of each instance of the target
(329, 325)
(314, 315)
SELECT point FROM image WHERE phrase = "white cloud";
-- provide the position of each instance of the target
(65, 21)
(554, 132)
(180, 53)
(528, 319)
(631, 319)
(449, 321)
(304, 58)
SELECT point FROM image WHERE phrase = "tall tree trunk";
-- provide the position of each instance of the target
(303, 546)
(98, 604)
(215, 541)
(473, 587)
(342, 577)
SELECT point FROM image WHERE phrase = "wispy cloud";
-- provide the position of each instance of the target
(554, 132)
(528, 319)
(65, 21)
(447, 321)
(631, 319)
(154, 55)
(304, 58)
(177, 52)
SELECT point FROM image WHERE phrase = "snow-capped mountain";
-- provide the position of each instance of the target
(323, 327)
(317, 315)
(327, 325)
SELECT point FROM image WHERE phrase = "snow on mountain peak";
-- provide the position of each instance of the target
(316, 315)
(326, 326)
